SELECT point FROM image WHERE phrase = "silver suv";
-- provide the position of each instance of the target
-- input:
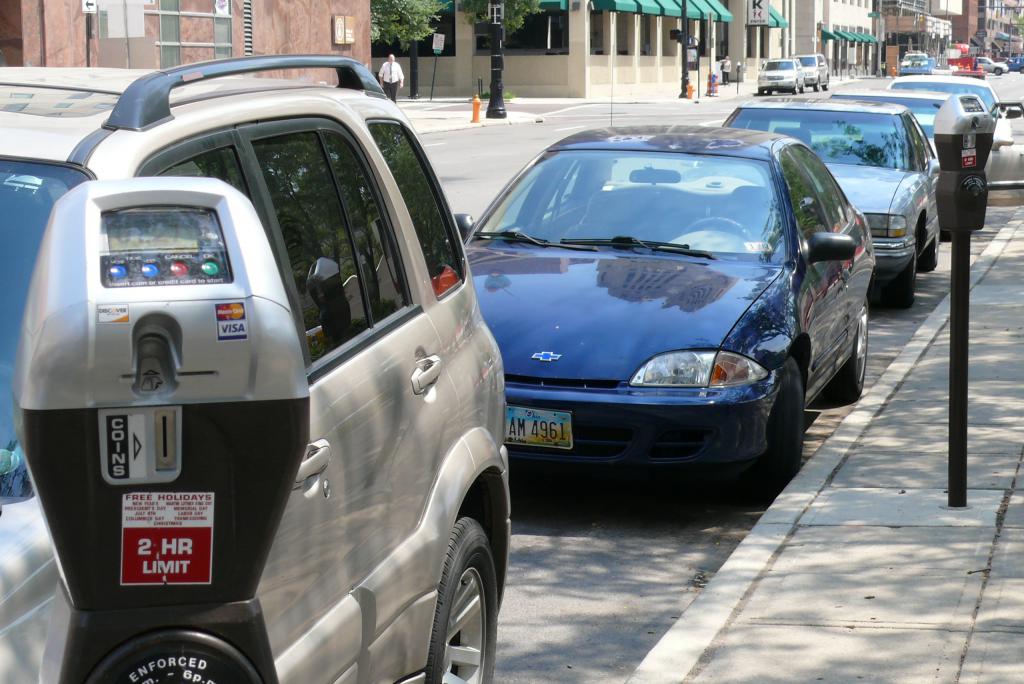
(815, 70)
(390, 560)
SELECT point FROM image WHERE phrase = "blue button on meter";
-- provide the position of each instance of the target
(117, 271)
(150, 270)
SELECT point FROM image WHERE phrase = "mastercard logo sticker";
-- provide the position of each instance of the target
(231, 312)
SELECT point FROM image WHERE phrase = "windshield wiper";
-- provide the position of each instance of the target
(630, 241)
(519, 236)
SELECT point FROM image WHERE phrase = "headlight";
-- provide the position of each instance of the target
(887, 225)
(698, 369)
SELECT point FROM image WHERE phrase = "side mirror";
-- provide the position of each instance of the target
(1011, 110)
(830, 247)
(465, 223)
(933, 167)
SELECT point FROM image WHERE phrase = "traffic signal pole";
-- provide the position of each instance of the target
(684, 41)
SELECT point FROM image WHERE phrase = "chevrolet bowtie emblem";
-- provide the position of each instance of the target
(546, 356)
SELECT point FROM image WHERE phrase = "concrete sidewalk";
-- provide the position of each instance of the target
(452, 114)
(858, 572)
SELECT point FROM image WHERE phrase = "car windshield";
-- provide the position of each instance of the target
(924, 110)
(725, 206)
(857, 138)
(779, 65)
(27, 193)
(966, 88)
(809, 61)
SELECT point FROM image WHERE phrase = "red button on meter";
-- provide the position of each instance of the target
(179, 268)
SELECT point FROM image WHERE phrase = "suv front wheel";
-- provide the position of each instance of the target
(464, 637)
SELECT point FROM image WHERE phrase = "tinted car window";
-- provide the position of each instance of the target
(381, 271)
(780, 65)
(422, 199)
(857, 138)
(723, 205)
(27, 194)
(917, 143)
(923, 110)
(319, 244)
(809, 61)
(221, 163)
(830, 196)
(804, 196)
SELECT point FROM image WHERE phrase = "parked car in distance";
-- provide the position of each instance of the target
(815, 71)
(672, 297)
(884, 163)
(916, 64)
(780, 74)
(1015, 63)
(1006, 161)
(397, 575)
(993, 67)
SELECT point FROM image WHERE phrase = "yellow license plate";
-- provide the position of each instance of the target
(537, 427)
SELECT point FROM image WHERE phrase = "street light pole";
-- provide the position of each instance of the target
(684, 40)
(496, 105)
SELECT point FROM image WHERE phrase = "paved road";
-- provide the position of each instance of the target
(601, 566)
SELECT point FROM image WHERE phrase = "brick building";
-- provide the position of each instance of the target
(147, 34)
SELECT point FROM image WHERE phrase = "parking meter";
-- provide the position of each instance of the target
(163, 409)
(964, 130)
(963, 139)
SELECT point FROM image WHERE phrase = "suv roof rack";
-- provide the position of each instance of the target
(146, 102)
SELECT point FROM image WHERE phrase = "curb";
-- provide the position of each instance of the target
(682, 646)
(463, 125)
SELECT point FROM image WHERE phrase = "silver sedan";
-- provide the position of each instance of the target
(882, 161)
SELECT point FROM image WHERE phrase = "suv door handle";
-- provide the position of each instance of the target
(318, 457)
(428, 370)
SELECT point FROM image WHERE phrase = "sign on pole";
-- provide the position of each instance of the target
(757, 12)
(438, 43)
(89, 6)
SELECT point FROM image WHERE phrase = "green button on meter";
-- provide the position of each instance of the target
(210, 268)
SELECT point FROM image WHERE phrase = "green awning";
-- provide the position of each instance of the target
(672, 8)
(615, 5)
(649, 7)
(697, 9)
(846, 35)
(776, 20)
(555, 5)
(720, 10)
(828, 35)
(868, 38)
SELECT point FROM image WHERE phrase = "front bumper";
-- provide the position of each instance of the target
(892, 255)
(789, 83)
(652, 427)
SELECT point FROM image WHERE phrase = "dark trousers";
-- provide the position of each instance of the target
(725, 77)
(391, 90)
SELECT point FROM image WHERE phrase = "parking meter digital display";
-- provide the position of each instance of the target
(163, 246)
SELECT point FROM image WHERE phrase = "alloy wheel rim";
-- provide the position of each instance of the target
(466, 632)
(862, 344)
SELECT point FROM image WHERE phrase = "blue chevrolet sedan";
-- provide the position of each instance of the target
(673, 296)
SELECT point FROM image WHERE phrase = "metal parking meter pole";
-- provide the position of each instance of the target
(959, 332)
(684, 44)
(496, 105)
(963, 140)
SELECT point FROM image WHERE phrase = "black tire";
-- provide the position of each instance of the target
(998, 72)
(848, 384)
(899, 293)
(760, 91)
(928, 261)
(468, 551)
(785, 435)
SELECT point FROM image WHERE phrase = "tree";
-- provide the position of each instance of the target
(516, 12)
(403, 21)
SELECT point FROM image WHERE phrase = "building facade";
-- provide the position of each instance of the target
(842, 30)
(148, 34)
(603, 48)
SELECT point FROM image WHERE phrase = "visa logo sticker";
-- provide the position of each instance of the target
(231, 323)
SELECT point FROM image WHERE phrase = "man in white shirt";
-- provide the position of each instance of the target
(391, 77)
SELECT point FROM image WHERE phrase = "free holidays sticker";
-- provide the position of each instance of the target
(231, 323)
